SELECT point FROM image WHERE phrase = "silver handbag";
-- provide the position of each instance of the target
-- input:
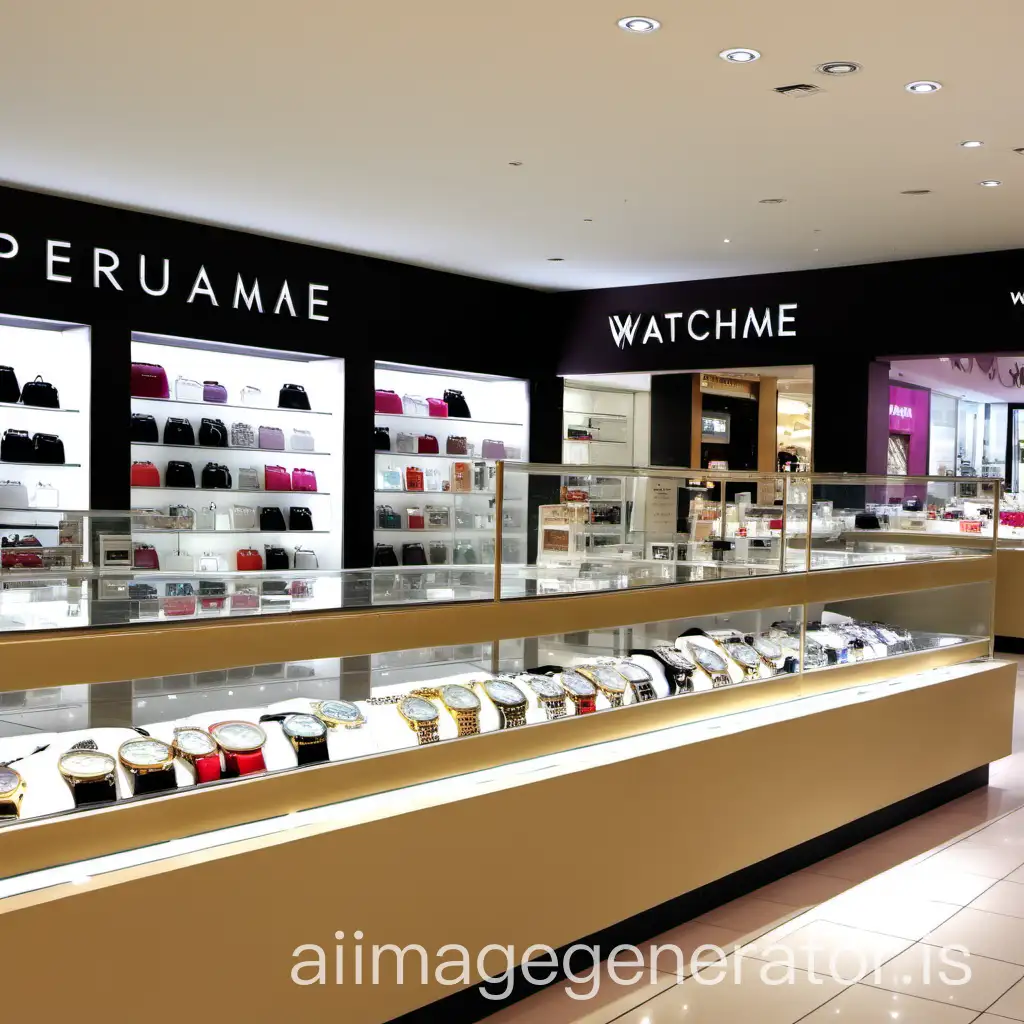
(248, 478)
(243, 436)
(406, 443)
(206, 518)
(301, 441)
(243, 517)
(306, 559)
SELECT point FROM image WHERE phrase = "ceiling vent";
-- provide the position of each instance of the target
(798, 90)
(916, 192)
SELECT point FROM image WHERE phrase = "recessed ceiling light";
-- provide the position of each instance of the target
(838, 67)
(556, 259)
(923, 87)
(971, 144)
(515, 163)
(639, 25)
(916, 192)
(771, 202)
(726, 239)
(739, 55)
(990, 183)
(1020, 151)
(588, 220)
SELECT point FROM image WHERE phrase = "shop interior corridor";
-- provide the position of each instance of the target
(951, 877)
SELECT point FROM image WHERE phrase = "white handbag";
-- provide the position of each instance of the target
(301, 441)
(45, 496)
(179, 561)
(186, 390)
(406, 443)
(209, 562)
(13, 494)
(432, 480)
(251, 396)
(248, 478)
(414, 405)
(243, 517)
(306, 559)
(206, 518)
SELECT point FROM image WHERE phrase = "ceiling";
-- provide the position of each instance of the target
(977, 379)
(389, 128)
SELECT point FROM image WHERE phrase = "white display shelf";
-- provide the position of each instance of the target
(229, 490)
(597, 415)
(33, 408)
(244, 533)
(589, 440)
(221, 448)
(43, 465)
(442, 494)
(271, 574)
(440, 455)
(446, 419)
(447, 532)
(228, 405)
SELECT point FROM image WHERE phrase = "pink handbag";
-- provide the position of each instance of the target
(271, 438)
(493, 449)
(437, 407)
(386, 401)
(149, 380)
(276, 478)
(303, 480)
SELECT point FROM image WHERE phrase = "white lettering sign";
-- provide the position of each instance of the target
(732, 323)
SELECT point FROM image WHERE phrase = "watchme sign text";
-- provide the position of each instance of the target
(702, 324)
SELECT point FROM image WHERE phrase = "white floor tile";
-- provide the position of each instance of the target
(862, 1004)
(1012, 1004)
(877, 910)
(750, 915)
(1003, 898)
(984, 934)
(673, 951)
(929, 882)
(803, 889)
(991, 1018)
(986, 861)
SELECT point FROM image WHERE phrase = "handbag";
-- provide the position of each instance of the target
(405, 443)
(20, 560)
(216, 476)
(413, 405)
(179, 431)
(179, 474)
(186, 390)
(13, 494)
(145, 474)
(213, 433)
(244, 598)
(426, 444)
(16, 446)
(866, 521)
(272, 519)
(248, 478)
(49, 449)
(432, 480)
(272, 438)
(213, 391)
(275, 478)
(144, 429)
(386, 402)
(415, 518)
(206, 518)
(9, 389)
(492, 449)
(179, 561)
(301, 441)
(381, 439)
(438, 553)
(37, 392)
(208, 562)
(413, 554)
(456, 445)
(45, 496)
(437, 407)
(390, 479)
(384, 554)
(293, 396)
(250, 395)
(248, 560)
(305, 558)
(144, 556)
(303, 480)
(457, 404)
(413, 478)
(300, 518)
(149, 380)
(465, 554)
(243, 517)
(438, 517)
(277, 558)
(388, 518)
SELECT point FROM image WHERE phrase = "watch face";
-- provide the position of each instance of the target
(578, 685)
(504, 692)
(305, 727)
(418, 710)
(710, 661)
(633, 672)
(340, 711)
(239, 737)
(766, 648)
(674, 658)
(86, 764)
(745, 655)
(544, 686)
(145, 752)
(459, 697)
(9, 781)
(608, 677)
(194, 741)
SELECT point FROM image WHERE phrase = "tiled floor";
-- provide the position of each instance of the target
(921, 925)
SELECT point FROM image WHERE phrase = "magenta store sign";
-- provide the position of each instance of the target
(909, 410)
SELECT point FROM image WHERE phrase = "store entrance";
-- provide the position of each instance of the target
(1015, 449)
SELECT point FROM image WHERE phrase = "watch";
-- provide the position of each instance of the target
(89, 773)
(679, 668)
(745, 656)
(339, 712)
(242, 745)
(641, 682)
(769, 652)
(607, 680)
(711, 662)
(199, 749)
(550, 694)
(150, 764)
(508, 699)
(418, 712)
(306, 733)
(582, 692)
(12, 792)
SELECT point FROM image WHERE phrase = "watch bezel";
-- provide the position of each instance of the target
(487, 683)
(299, 737)
(188, 755)
(93, 776)
(10, 794)
(452, 707)
(418, 721)
(136, 766)
(348, 723)
(235, 749)
(589, 672)
(573, 693)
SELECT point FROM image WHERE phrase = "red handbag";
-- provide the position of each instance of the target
(144, 556)
(20, 560)
(248, 560)
(303, 480)
(426, 444)
(276, 478)
(416, 519)
(244, 601)
(179, 605)
(149, 380)
(413, 478)
(145, 474)
(437, 407)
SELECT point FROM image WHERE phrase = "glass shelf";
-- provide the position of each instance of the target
(43, 465)
(245, 533)
(440, 455)
(446, 419)
(590, 440)
(34, 408)
(228, 405)
(222, 448)
(228, 490)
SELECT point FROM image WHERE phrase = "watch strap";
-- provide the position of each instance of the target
(511, 717)
(311, 751)
(643, 690)
(207, 767)
(158, 781)
(236, 764)
(426, 732)
(584, 705)
(614, 699)
(92, 792)
(467, 720)
(554, 708)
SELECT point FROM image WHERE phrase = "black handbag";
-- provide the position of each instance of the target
(208, 588)
(180, 474)
(384, 554)
(9, 390)
(293, 396)
(216, 476)
(17, 446)
(381, 439)
(413, 554)
(438, 553)
(144, 429)
(388, 518)
(38, 392)
(213, 433)
(866, 521)
(300, 518)
(276, 558)
(272, 519)
(913, 505)
(179, 431)
(456, 404)
(49, 449)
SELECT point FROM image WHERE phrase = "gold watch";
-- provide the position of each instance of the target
(418, 712)
(610, 682)
(339, 712)
(12, 792)
(550, 693)
(509, 701)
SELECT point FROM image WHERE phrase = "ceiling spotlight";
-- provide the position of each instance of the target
(838, 67)
(1020, 151)
(515, 163)
(771, 202)
(556, 259)
(916, 192)
(971, 144)
(726, 240)
(990, 183)
(739, 55)
(639, 25)
(923, 87)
